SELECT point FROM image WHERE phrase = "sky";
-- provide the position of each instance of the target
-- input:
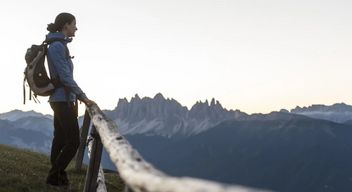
(253, 55)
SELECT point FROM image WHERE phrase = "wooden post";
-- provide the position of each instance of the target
(94, 163)
(82, 146)
(127, 189)
(101, 178)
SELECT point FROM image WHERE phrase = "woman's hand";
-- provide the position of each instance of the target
(88, 102)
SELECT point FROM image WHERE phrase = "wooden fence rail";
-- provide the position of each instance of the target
(138, 174)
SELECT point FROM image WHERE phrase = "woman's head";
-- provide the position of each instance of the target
(64, 22)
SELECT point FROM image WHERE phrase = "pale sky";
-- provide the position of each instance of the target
(255, 56)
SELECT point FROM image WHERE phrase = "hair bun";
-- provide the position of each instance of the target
(52, 27)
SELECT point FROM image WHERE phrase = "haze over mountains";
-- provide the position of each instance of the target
(304, 149)
(339, 112)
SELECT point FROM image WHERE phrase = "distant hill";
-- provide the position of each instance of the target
(23, 170)
(26, 138)
(18, 114)
(339, 112)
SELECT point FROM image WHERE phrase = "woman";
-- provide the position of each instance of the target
(66, 131)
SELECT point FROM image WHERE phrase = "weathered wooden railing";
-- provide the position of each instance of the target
(138, 175)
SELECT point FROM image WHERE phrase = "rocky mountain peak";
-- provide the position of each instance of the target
(136, 98)
(159, 97)
(122, 102)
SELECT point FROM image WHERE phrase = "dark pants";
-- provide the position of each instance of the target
(66, 137)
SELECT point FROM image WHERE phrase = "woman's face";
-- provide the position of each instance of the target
(70, 29)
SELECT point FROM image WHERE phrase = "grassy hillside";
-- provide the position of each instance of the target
(26, 171)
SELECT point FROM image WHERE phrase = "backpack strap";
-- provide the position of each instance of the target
(24, 90)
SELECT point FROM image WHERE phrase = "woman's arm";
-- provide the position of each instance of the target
(57, 53)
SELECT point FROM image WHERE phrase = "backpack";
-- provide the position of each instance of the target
(35, 73)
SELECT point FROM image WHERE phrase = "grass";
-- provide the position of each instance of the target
(26, 171)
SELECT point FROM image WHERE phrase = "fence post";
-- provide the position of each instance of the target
(127, 189)
(94, 163)
(82, 145)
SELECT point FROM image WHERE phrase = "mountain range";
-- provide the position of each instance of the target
(303, 149)
(339, 112)
(167, 117)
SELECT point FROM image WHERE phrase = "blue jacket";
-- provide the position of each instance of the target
(61, 67)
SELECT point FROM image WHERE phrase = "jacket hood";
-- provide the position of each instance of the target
(57, 35)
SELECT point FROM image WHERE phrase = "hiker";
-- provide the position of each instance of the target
(63, 100)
